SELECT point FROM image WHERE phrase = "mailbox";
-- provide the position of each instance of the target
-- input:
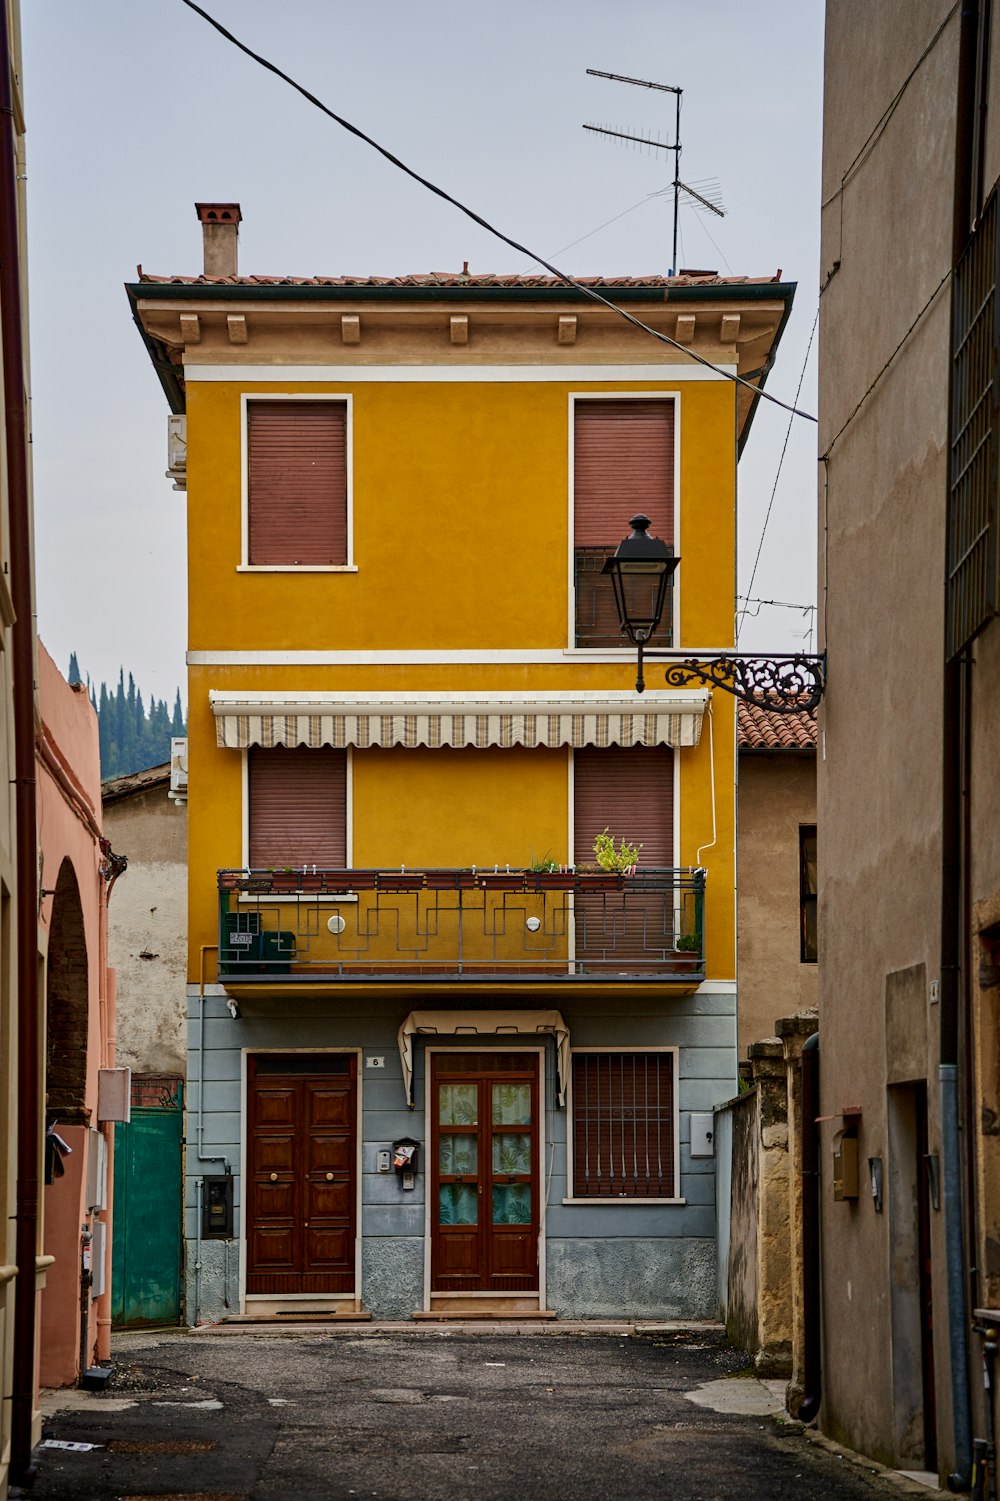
(845, 1165)
(405, 1153)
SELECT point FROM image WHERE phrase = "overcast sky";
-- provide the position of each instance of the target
(136, 110)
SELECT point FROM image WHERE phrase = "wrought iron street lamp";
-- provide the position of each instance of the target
(784, 685)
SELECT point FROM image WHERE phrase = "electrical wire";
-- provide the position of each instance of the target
(431, 187)
(784, 450)
(839, 434)
(658, 194)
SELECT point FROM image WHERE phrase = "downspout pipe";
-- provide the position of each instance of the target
(953, 705)
(812, 1367)
(29, 1115)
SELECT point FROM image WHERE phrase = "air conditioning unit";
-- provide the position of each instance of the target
(178, 789)
(177, 449)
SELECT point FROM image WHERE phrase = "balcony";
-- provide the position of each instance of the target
(331, 927)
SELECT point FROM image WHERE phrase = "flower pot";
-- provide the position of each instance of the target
(605, 880)
(400, 880)
(502, 880)
(550, 880)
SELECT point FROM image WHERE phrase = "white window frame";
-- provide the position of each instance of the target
(341, 398)
(259, 898)
(571, 1129)
(592, 653)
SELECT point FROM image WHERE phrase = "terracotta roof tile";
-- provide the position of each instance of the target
(763, 730)
(458, 279)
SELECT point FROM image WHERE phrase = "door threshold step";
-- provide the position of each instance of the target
(304, 1316)
(488, 1316)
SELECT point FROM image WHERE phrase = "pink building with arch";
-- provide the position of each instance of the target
(77, 872)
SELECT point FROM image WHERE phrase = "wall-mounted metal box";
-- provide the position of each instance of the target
(845, 1166)
(217, 1207)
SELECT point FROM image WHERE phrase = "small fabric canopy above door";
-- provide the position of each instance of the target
(483, 1024)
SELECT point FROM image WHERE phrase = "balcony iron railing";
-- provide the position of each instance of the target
(302, 926)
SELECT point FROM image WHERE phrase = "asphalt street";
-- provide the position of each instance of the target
(435, 1417)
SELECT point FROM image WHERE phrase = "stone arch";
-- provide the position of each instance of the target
(66, 1009)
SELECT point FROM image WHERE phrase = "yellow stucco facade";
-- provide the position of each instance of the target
(462, 543)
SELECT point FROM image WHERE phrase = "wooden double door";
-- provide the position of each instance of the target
(301, 1174)
(484, 1181)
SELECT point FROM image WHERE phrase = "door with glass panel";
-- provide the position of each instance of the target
(484, 1172)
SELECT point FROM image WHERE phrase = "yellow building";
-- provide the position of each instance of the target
(436, 1063)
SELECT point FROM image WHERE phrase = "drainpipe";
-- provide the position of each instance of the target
(955, 703)
(29, 1114)
(812, 1368)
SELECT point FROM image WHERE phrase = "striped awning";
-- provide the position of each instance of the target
(502, 719)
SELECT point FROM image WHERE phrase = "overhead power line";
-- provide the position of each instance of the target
(589, 292)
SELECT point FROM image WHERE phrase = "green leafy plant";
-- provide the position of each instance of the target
(546, 862)
(687, 943)
(609, 858)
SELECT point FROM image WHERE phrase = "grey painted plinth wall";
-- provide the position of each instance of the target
(627, 1259)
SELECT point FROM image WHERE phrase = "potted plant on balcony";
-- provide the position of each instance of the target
(613, 864)
(548, 874)
(687, 953)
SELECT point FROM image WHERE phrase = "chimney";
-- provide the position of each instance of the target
(220, 228)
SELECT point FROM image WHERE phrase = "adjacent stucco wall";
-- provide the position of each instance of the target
(631, 1259)
(777, 797)
(69, 818)
(885, 258)
(147, 925)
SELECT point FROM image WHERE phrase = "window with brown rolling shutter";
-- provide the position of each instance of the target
(297, 482)
(298, 807)
(623, 1126)
(628, 789)
(623, 462)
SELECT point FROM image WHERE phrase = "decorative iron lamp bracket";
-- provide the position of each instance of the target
(782, 685)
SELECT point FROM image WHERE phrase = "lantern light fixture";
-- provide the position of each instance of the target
(783, 685)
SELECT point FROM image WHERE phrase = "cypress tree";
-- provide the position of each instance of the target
(73, 676)
(178, 724)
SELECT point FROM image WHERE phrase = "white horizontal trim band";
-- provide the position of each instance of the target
(268, 374)
(476, 657)
(581, 701)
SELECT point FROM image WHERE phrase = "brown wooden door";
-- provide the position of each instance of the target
(484, 1172)
(301, 1166)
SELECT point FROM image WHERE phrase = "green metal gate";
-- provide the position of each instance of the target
(146, 1250)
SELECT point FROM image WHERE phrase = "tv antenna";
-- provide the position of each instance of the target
(712, 202)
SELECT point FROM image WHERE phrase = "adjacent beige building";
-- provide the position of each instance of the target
(147, 924)
(776, 900)
(909, 863)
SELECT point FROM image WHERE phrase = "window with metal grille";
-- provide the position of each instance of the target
(624, 1129)
(623, 462)
(809, 951)
(298, 807)
(297, 483)
(971, 595)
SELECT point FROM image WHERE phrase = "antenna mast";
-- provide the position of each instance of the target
(678, 186)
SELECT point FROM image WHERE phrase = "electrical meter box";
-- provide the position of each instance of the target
(217, 1207)
(845, 1166)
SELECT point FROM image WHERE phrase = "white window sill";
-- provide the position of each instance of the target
(632, 1202)
(296, 568)
(328, 897)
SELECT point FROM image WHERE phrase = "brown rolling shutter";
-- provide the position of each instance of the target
(298, 807)
(629, 790)
(297, 457)
(623, 1126)
(623, 463)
